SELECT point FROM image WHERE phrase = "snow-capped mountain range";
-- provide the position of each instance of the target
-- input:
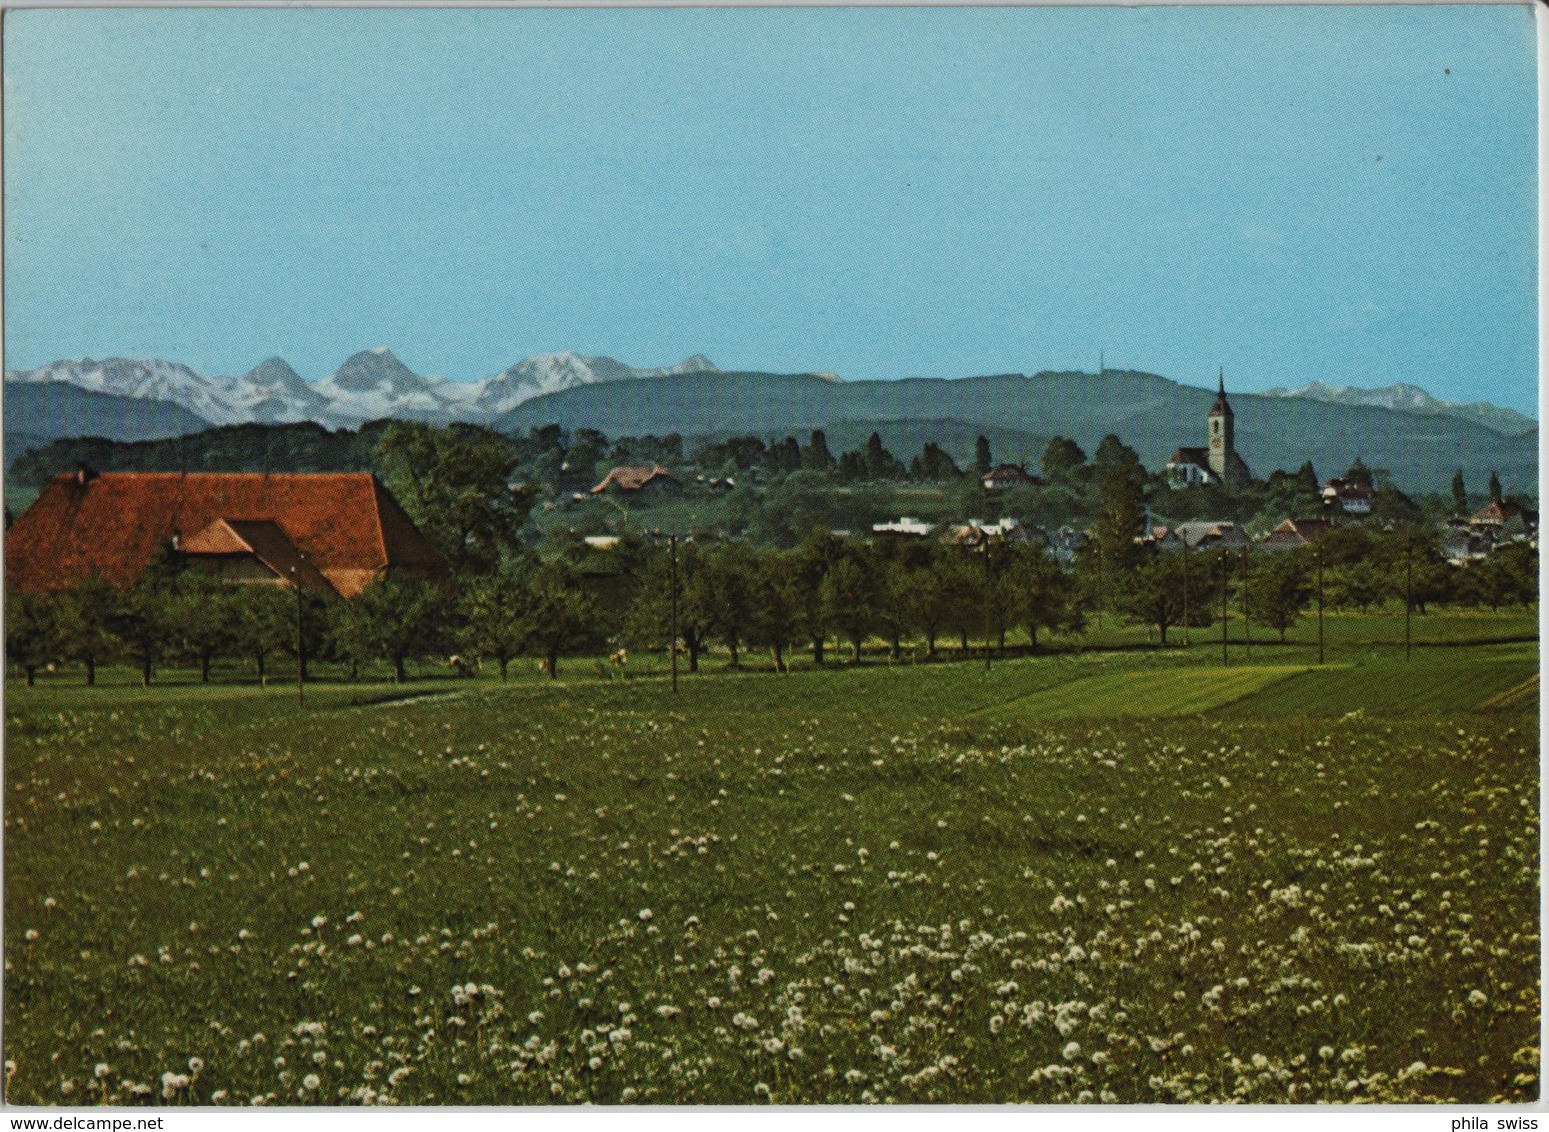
(370, 385)
(1412, 399)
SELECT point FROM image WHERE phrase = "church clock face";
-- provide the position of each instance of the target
(1215, 442)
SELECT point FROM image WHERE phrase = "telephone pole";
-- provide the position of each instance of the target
(1318, 557)
(1225, 566)
(672, 644)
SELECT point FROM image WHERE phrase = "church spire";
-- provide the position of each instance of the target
(1221, 388)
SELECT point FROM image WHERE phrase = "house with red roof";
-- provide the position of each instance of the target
(333, 533)
(1294, 533)
(655, 480)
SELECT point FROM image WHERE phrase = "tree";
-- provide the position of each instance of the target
(1278, 591)
(933, 463)
(1044, 596)
(454, 483)
(1121, 488)
(1495, 488)
(1459, 494)
(1061, 459)
(816, 456)
(1359, 473)
(848, 594)
(31, 631)
(559, 613)
(775, 605)
(493, 609)
(201, 620)
(86, 613)
(982, 461)
(812, 560)
(394, 619)
(142, 625)
(263, 622)
(1161, 588)
(649, 620)
(728, 590)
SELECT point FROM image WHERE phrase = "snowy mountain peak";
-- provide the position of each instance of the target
(1412, 399)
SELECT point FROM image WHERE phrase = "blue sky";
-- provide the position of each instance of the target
(1335, 194)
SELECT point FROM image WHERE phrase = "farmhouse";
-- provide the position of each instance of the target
(1003, 477)
(334, 533)
(655, 480)
(1294, 533)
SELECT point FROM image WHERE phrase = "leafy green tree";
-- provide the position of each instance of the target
(87, 613)
(934, 464)
(848, 594)
(560, 614)
(1354, 585)
(1061, 459)
(818, 552)
(455, 484)
(1161, 588)
(396, 619)
(264, 622)
(1121, 488)
(202, 620)
(143, 625)
(728, 575)
(649, 620)
(775, 605)
(1459, 494)
(815, 457)
(494, 610)
(1495, 488)
(1359, 473)
(982, 460)
(1278, 591)
(31, 631)
(1044, 596)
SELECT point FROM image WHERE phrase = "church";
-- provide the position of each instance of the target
(1217, 463)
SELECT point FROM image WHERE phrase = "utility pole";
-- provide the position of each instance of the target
(1318, 557)
(301, 660)
(1185, 539)
(672, 644)
(1409, 587)
(989, 598)
(1225, 566)
(1098, 546)
(1247, 625)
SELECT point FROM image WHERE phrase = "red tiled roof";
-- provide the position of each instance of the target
(632, 479)
(264, 540)
(1011, 473)
(1196, 456)
(347, 525)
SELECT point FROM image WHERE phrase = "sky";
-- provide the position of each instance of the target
(1344, 195)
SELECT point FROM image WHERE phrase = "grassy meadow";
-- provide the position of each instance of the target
(1112, 875)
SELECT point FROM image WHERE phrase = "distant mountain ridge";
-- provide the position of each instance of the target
(36, 415)
(1153, 414)
(1418, 438)
(1412, 399)
(370, 385)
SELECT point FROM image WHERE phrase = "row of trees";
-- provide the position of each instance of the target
(728, 595)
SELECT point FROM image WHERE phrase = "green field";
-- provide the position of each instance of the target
(1123, 876)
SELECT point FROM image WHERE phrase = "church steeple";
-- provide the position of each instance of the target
(1221, 431)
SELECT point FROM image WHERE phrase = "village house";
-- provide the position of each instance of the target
(1295, 533)
(904, 527)
(1504, 521)
(1350, 496)
(1003, 477)
(641, 482)
(333, 533)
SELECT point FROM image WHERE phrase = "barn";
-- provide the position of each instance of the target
(334, 533)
